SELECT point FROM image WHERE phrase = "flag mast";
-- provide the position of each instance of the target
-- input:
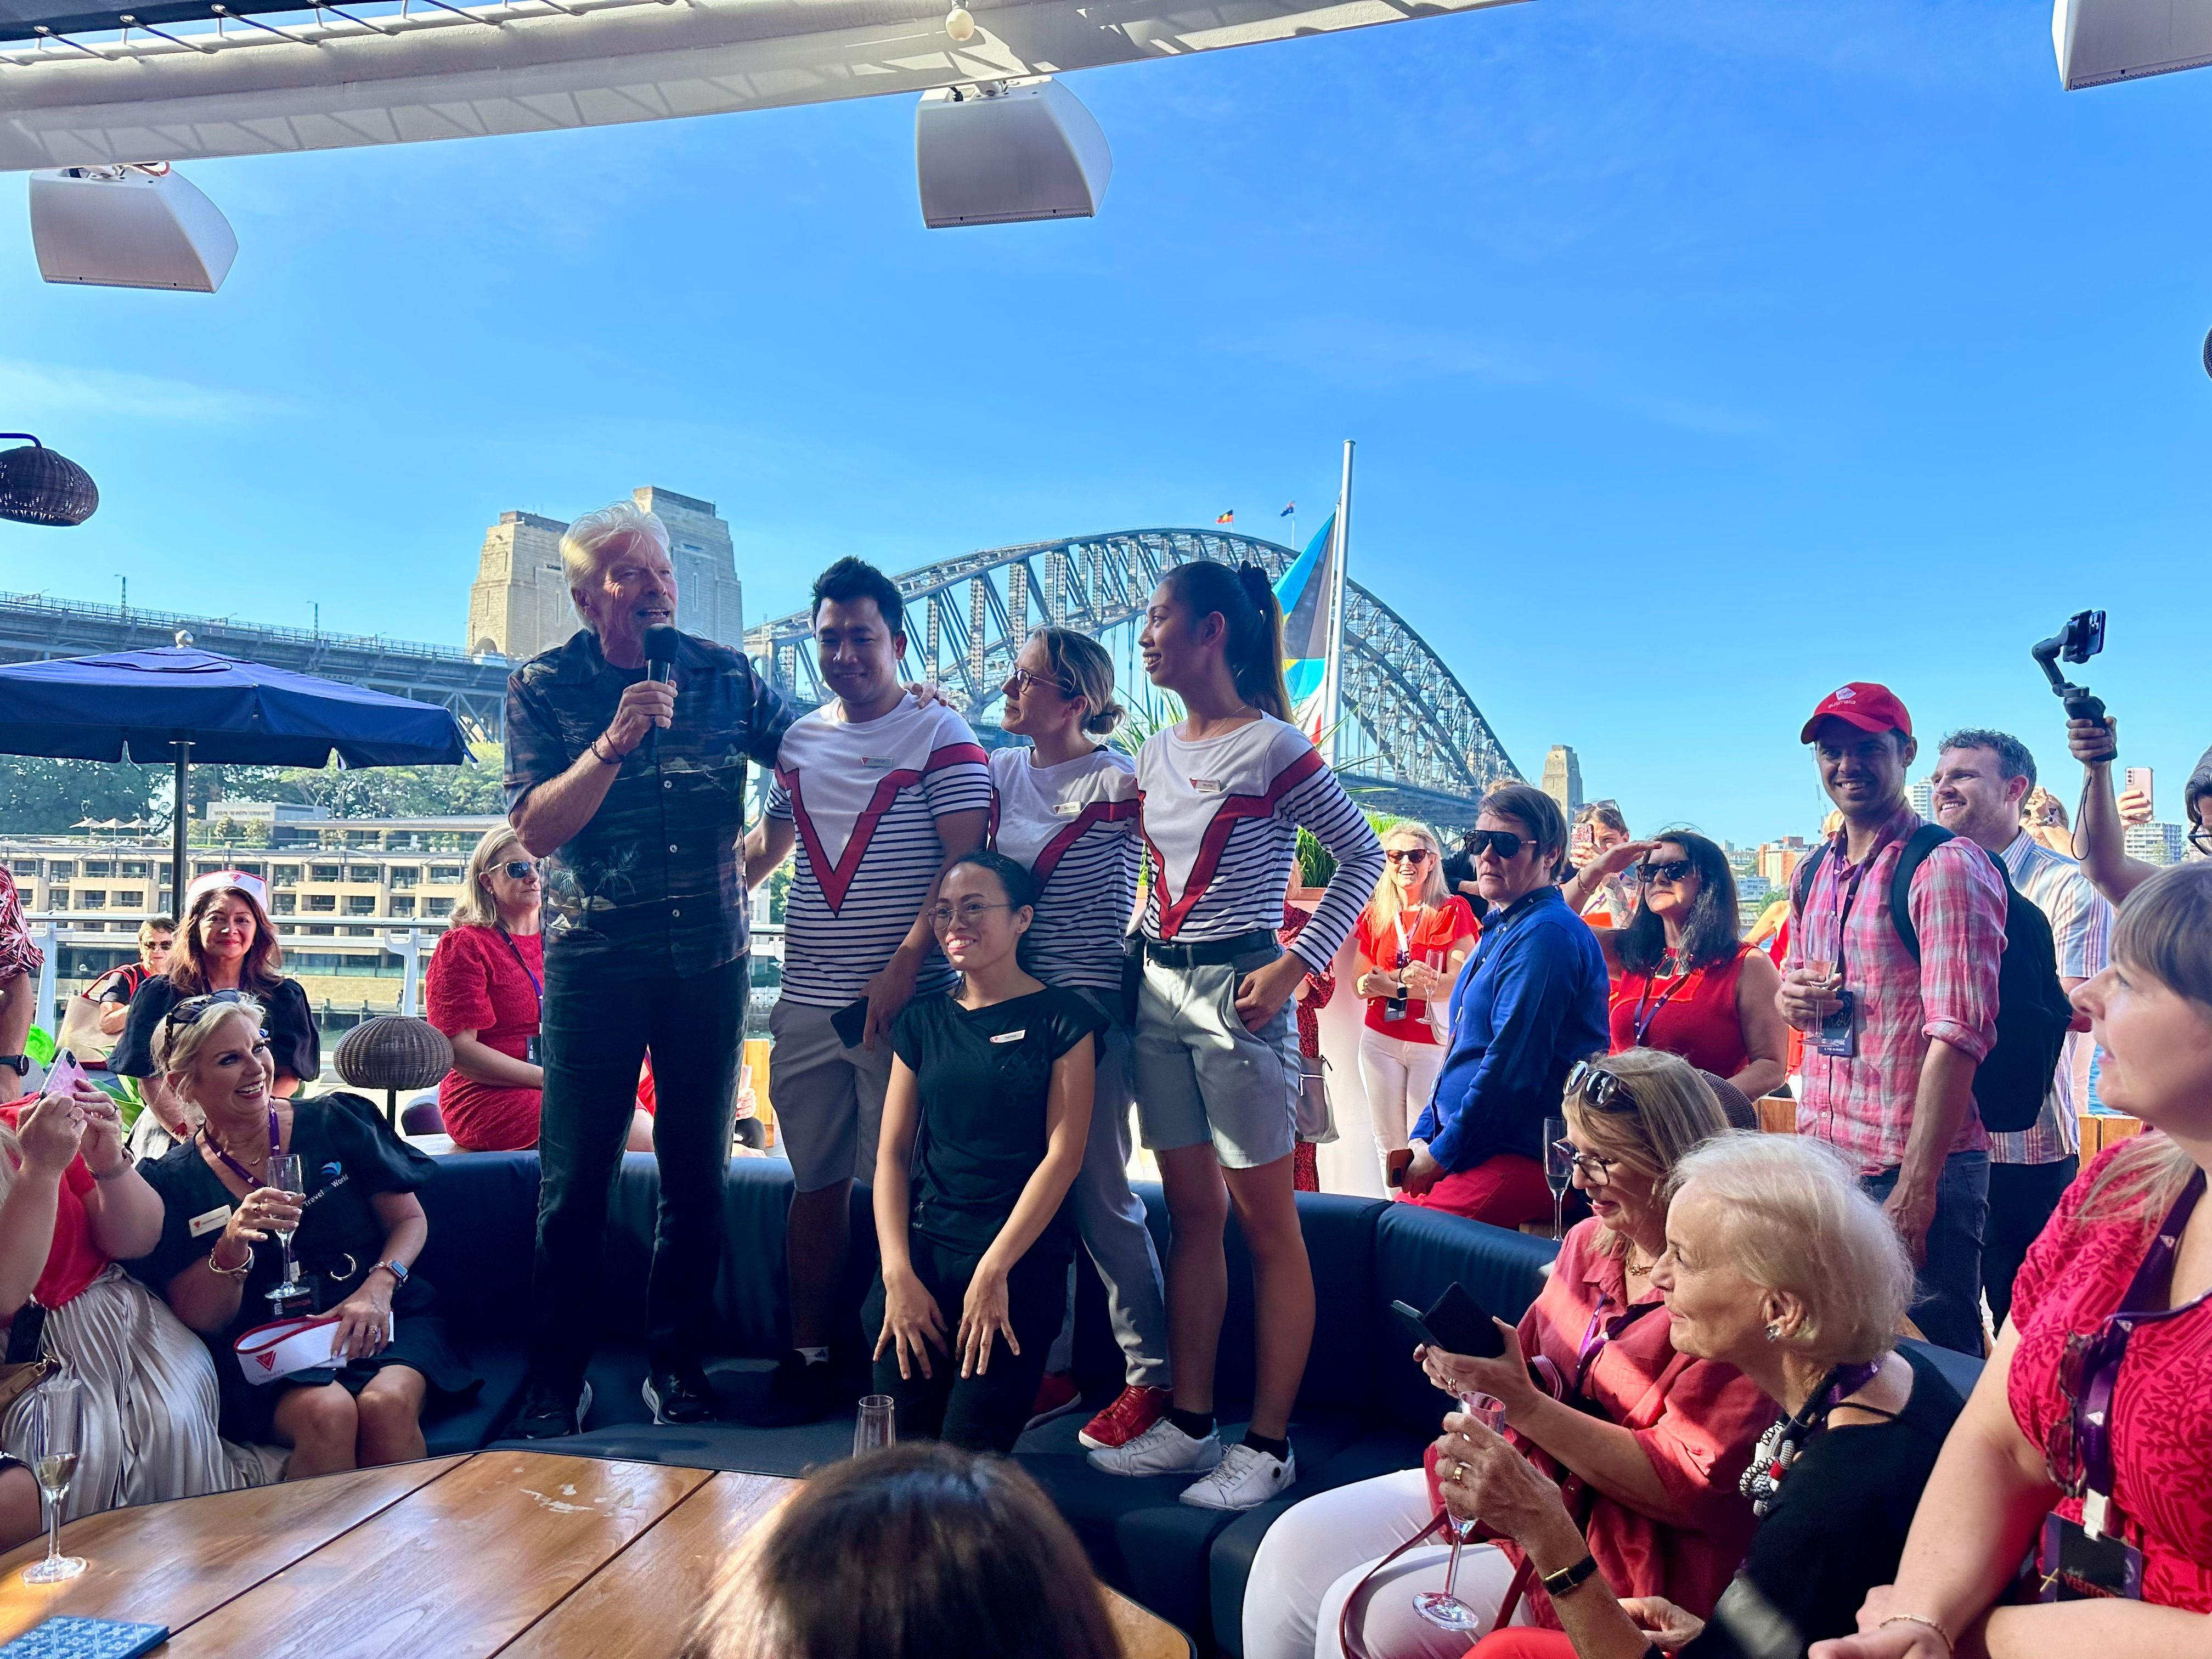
(1332, 707)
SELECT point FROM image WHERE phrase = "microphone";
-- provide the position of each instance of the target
(660, 641)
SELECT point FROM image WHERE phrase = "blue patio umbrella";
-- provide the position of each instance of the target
(181, 704)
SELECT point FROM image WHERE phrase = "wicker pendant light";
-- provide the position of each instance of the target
(37, 486)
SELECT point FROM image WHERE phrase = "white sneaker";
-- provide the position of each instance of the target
(1162, 1449)
(1246, 1476)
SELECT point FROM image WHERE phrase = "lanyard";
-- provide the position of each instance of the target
(232, 1165)
(536, 989)
(2101, 1365)
(1405, 950)
(1847, 899)
(1601, 1330)
(1682, 982)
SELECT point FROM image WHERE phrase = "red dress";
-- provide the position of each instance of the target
(478, 983)
(74, 1260)
(2162, 1430)
(1692, 1015)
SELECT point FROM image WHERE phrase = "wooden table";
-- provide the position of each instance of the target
(516, 1553)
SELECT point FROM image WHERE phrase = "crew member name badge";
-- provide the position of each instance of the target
(209, 1221)
(1206, 785)
(1067, 809)
(876, 762)
(1011, 1037)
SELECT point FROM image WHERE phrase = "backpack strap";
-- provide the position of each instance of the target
(1800, 884)
(1918, 846)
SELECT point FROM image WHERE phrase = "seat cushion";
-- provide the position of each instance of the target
(1418, 1253)
(1960, 1371)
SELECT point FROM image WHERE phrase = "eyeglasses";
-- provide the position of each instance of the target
(1407, 855)
(1022, 680)
(2201, 839)
(1501, 843)
(1670, 873)
(1598, 1088)
(520, 869)
(1595, 1170)
(969, 912)
(188, 1012)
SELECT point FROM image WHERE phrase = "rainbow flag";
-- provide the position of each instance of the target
(1230, 517)
(1303, 594)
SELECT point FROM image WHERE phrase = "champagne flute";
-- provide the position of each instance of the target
(1559, 1172)
(875, 1427)
(58, 1411)
(287, 1175)
(1444, 1607)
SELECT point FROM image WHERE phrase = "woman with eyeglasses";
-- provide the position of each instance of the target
(2088, 1437)
(1776, 1264)
(985, 1118)
(1065, 808)
(1649, 1442)
(1411, 941)
(485, 990)
(1530, 1003)
(356, 1231)
(1688, 983)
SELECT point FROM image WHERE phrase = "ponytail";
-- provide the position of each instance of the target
(1252, 616)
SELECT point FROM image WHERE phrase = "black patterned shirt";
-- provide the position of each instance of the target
(659, 866)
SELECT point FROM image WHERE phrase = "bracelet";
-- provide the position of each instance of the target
(124, 1165)
(605, 759)
(1942, 1635)
(238, 1272)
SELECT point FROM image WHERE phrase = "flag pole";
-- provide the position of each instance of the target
(1333, 675)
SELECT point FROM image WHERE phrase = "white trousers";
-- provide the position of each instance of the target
(1398, 1077)
(1313, 1558)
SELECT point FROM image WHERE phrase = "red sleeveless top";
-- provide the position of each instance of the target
(1692, 1015)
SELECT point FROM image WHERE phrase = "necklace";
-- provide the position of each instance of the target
(232, 1164)
(1779, 1446)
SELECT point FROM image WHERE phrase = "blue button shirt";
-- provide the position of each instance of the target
(1531, 1004)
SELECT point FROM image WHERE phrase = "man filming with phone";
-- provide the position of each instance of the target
(626, 762)
(881, 792)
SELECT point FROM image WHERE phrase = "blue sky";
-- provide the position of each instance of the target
(1701, 357)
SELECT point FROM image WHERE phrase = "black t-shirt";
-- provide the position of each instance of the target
(1835, 1530)
(983, 1076)
(294, 1042)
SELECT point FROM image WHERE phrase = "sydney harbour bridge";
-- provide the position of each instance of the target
(1413, 740)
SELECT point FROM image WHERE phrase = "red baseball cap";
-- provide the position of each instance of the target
(1870, 707)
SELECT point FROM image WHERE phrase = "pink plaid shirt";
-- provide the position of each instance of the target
(1862, 1104)
(17, 954)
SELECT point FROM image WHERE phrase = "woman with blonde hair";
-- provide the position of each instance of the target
(1778, 1264)
(1648, 1439)
(485, 990)
(2088, 1436)
(1409, 942)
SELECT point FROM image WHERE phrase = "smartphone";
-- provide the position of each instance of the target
(64, 1075)
(1455, 1323)
(851, 1021)
(1396, 1165)
(2138, 777)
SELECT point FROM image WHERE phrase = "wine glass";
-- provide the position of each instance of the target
(287, 1175)
(1558, 1171)
(58, 1411)
(875, 1427)
(1443, 1606)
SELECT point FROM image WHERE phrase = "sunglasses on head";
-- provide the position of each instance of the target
(188, 1012)
(1407, 855)
(520, 869)
(1600, 1088)
(1500, 843)
(1671, 872)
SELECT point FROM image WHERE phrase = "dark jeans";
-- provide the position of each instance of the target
(1947, 1303)
(601, 1014)
(984, 1413)
(2021, 1198)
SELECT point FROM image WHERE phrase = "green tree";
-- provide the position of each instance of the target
(379, 792)
(40, 797)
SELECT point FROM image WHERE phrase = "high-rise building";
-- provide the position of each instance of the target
(519, 604)
(1563, 779)
(1777, 859)
(2157, 843)
(1922, 797)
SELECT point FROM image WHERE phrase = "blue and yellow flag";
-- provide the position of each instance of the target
(1303, 594)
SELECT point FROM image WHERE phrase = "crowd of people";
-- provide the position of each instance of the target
(991, 957)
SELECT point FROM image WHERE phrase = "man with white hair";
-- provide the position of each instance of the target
(632, 788)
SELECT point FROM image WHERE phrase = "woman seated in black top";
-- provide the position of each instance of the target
(984, 1121)
(1777, 1264)
(226, 944)
(358, 1230)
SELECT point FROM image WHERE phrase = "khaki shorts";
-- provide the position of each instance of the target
(828, 1099)
(1201, 1076)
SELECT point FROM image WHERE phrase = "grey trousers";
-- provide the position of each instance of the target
(1111, 1219)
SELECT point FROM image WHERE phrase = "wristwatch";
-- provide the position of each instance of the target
(1567, 1579)
(399, 1273)
(19, 1064)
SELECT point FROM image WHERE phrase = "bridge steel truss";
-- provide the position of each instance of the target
(967, 617)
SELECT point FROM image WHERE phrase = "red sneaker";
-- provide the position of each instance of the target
(1056, 1392)
(1133, 1411)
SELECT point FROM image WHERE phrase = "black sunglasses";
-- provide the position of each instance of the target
(189, 1011)
(1600, 1088)
(520, 869)
(1502, 843)
(1671, 872)
(1409, 854)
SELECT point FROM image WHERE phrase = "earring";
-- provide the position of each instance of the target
(1774, 1332)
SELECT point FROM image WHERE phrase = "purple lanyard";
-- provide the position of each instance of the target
(1643, 1021)
(232, 1165)
(2101, 1365)
(539, 989)
(1601, 1331)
